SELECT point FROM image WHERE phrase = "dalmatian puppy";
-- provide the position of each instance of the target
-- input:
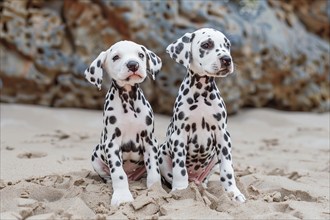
(127, 146)
(197, 138)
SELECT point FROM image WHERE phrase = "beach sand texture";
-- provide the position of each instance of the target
(281, 159)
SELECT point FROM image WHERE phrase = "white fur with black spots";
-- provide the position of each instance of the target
(197, 139)
(128, 146)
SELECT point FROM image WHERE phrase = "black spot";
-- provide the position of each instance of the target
(207, 102)
(201, 55)
(225, 137)
(154, 149)
(193, 127)
(121, 177)
(199, 85)
(148, 120)
(224, 114)
(183, 172)
(118, 164)
(117, 132)
(187, 128)
(229, 176)
(186, 55)
(99, 81)
(212, 96)
(179, 48)
(190, 100)
(185, 39)
(222, 179)
(92, 70)
(196, 95)
(125, 97)
(197, 167)
(160, 160)
(181, 116)
(217, 116)
(201, 149)
(98, 63)
(92, 79)
(185, 92)
(181, 164)
(193, 107)
(224, 151)
(112, 119)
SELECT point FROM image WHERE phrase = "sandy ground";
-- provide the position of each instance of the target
(281, 161)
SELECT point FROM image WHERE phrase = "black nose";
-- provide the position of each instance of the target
(133, 66)
(225, 61)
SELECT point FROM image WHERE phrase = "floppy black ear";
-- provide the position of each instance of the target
(180, 50)
(94, 72)
(154, 63)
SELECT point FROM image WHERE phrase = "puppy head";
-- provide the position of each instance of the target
(126, 62)
(205, 51)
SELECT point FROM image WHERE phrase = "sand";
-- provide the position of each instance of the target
(281, 159)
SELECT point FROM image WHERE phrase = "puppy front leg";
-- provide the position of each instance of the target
(121, 193)
(151, 161)
(227, 177)
(178, 155)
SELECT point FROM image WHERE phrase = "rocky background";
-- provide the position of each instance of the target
(280, 48)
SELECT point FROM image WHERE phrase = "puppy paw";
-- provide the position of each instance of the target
(240, 198)
(151, 180)
(121, 196)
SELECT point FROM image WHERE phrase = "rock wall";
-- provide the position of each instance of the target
(281, 49)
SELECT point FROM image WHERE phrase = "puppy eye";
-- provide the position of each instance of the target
(141, 55)
(207, 45)
(115, 58)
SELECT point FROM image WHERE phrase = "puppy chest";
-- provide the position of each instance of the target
(130, 118)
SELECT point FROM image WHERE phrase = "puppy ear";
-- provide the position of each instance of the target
(154, 63)
(94, 72)
(180, 50)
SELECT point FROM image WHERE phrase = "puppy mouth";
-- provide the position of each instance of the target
(134, 76)
(221, 73)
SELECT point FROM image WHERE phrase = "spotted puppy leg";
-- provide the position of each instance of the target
(227, 177)
(178, 155)
(121, 193)
(151, 161)
(165, 164)
(99, 163)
